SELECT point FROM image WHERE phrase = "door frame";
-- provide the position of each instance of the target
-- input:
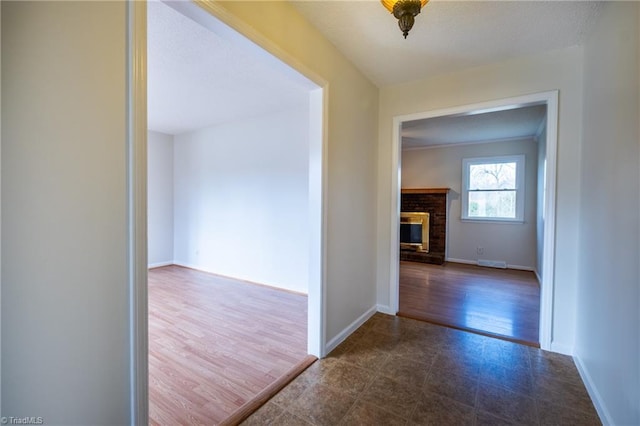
(550, 99)
(216, 18)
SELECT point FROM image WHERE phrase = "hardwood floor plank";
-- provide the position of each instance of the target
(496, 302)
(216, 343)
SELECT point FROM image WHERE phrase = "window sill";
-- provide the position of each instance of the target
(498, 221)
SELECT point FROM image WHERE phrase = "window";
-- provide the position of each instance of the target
(493, 188)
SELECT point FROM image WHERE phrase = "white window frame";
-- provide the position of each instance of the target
(520, 187)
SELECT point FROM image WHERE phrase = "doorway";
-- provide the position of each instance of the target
(208, 16)
(546, 251)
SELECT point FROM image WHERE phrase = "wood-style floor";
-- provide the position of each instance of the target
(215, 343)
(497, 302)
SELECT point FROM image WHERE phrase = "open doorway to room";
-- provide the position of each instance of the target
(473, 208)
(234, 230)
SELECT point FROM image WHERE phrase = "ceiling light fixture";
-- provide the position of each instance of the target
(404, 11)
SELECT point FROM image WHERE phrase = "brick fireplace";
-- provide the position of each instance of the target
(434, 202)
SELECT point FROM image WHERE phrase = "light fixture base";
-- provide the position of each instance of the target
(405, 12)
(405, 22)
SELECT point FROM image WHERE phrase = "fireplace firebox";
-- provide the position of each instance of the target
(414, 231)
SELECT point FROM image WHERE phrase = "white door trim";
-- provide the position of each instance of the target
(549, 98)
(137, 210)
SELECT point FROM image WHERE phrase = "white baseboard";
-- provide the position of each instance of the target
(333, 343)
(385, 309)
(244, 280)
(475, 262)
(521, 268)
(188, 265)
(161, 264)
(598, 403)
(465, 261)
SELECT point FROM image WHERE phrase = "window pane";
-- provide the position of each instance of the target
(492, 176)
(492, 204)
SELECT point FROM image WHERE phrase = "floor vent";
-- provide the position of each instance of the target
(493, 263)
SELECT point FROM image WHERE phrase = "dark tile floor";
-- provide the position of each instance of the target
(398, 371)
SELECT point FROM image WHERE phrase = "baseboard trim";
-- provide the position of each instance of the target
(475, 262)
(195, 268)
(160, 264)
(333, 343)
(538, 277)
(463, 261)
(206, 271)
(385, 309)
(598, 403)
(521, 268)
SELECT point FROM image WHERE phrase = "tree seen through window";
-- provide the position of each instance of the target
(492, 187)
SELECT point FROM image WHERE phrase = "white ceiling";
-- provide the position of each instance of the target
(447, 35)
(475, 128)
(197, 78)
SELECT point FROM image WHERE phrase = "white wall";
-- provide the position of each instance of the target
(514, 243)
(560, 70)
(541, 141)
(608, 338)
(65, 310)
(160, 198)
(241, 199)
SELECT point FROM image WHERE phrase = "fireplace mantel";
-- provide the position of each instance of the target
(425, 190)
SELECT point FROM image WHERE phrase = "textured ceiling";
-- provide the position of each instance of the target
(474, 128)
(197, 78)
(447, 35)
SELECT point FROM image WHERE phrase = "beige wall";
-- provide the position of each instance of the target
(608, 315)
(64, 266)
(559, 70)
(351, 190)
(514, 243)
